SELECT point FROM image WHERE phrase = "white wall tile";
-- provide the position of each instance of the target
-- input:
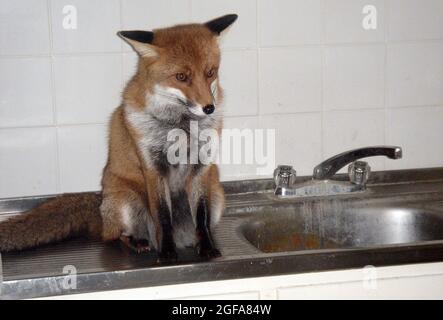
(304, 47)
(27, 162)
(233, 171)
(97, 24)
(289, 22)
(24, 27)
(25, 92)
(343, 21)
(87, 88)
(244, 31)
(346, 130)
(415, 19)
(148, 15)
(82, 156)
(130, 60)
(354, 77)
(415, 74)
(238, 78)
(297, 143)
(290, 80)
(298, 139)
(419, 131)
(240, 122)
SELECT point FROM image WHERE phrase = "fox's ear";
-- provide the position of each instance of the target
(219, 24)
(141, 42)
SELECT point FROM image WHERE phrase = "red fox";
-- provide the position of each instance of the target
(145, 201)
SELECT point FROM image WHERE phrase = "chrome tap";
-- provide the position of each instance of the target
(329, 167)
(321, 185)
(284, 178)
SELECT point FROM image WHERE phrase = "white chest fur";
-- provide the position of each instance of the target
(166, 111)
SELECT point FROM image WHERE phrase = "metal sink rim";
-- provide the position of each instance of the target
(248, 262)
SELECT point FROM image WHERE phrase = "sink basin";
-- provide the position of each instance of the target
(319, 228)
(394, 222)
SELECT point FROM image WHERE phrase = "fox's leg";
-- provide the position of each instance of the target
(160, 216)
(125, 217)
(209, 209)
(206, 246)
(182, 221)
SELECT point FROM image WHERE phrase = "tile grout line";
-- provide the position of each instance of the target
(60, 125)
(257, 55)
(63, 55)
(322, 85)
(122, 54)
(120, 8)
(385, 79)
(56, 126)
(190, 9)
(292, 46)
(53, 96)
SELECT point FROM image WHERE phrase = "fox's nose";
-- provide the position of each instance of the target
(208, 109)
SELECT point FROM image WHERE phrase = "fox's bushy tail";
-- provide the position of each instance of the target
(58, 218)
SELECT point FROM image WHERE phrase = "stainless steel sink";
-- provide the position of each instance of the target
(397, 220)
(332, 226)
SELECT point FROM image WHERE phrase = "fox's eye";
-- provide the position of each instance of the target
(181, 77)
(210, 73)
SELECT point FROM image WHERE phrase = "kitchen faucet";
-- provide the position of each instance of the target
(321, 183)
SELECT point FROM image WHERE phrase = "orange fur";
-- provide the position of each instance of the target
(141, 199)
(188, 49)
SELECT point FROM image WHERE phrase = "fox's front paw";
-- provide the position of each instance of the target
(142, 246)
(208, 252)
(136, 245)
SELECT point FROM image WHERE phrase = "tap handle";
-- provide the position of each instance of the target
(359, 173)
(284, 176)
(329, 167)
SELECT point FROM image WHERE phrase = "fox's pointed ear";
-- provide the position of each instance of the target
(219, 24)
(141, 42)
